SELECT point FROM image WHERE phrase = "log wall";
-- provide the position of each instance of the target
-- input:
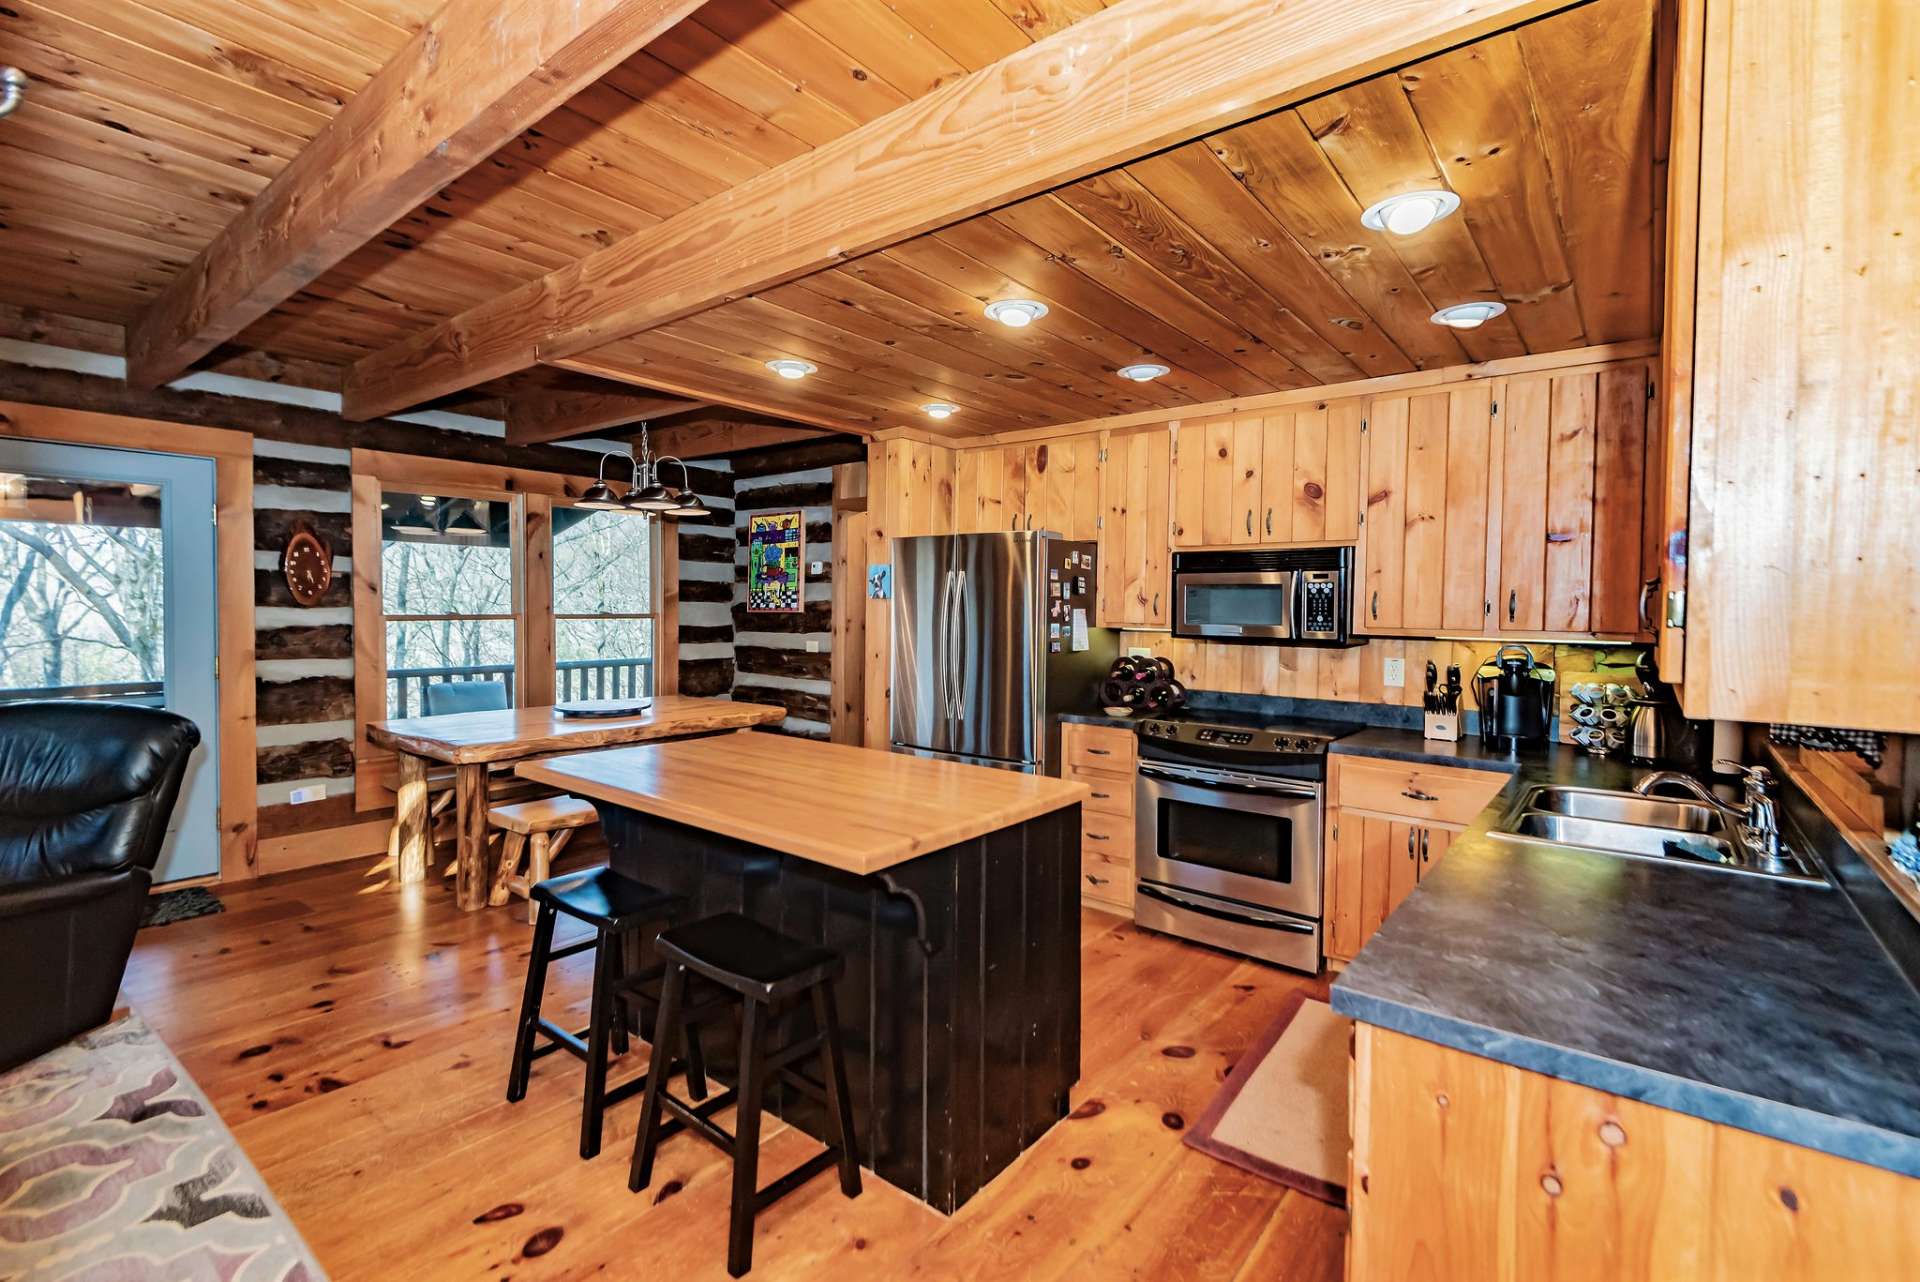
(706, 585)
(786, 658)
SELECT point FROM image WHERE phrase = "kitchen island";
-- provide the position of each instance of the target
(950, 890)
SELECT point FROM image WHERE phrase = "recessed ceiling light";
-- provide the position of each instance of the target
(1409, 212)
(1017, 312)
(939, 409)
(1468, 315)
(1144, 372)
(792, 369)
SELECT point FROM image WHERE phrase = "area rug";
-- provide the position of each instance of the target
(114, 1168)
(170, 906)
(1283, 1111)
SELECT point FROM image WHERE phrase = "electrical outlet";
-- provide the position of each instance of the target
(1393, 673)
(817, 567)
(1139, 652)
(813, 646)
(312, 792)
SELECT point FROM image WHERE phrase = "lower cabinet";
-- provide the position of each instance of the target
(1103, 758)
(1388, 825)
(1470, 1170)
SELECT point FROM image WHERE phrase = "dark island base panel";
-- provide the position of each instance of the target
(957, 1061)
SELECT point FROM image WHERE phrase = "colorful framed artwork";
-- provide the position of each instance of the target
(774, 547)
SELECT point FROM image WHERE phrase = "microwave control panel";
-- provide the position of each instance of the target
(1319, 604)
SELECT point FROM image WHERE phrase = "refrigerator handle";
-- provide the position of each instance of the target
(959, 634)
(944, 661)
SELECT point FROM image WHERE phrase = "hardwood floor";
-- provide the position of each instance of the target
(356, 1039)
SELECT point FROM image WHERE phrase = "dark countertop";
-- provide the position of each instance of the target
(1408, 745)
(1757, 1004)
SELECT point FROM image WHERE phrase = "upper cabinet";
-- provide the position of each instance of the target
(1796, 366)
(1134, 562)
(1514, 506)
(1051, 485)
(1285, 476)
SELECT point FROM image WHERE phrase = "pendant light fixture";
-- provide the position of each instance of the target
(599, 496)
(648, 494)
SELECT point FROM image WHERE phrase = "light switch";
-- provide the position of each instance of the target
(813, 646)
(1393, 673)
(816, 567)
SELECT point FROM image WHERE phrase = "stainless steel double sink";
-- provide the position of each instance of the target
(1636, 827)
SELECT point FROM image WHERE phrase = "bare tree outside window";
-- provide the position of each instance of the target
(603, 603)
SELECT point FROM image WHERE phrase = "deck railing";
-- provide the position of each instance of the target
(151, 694)
(575, 679)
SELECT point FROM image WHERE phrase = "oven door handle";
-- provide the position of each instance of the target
(1228, 782)
(1245, 917)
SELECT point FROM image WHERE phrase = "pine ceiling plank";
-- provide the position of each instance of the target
(1045, 354)
(187, 181)
(1369, 135)
(579, 149)
(704, 440)
(1277, 161)
(1069, 338)
(1193, 185)
(211, 86)
(58, 180)
(1056, 227)
(976, 33)
(1136, 77)
(24, 208)
(767, 91)
(1040, 18)
(106, 304)
(763, 315)
(344, 49)
(1124, 211)
(636, 362)
(873, 33)
(774, 36)
(1477, 110)
(704, 112)
(461, 88)
(681, 151)
(1591, 75)
(1196, 372)
(536, 417)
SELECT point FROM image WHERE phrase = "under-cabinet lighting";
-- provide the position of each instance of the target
(1144, 372)
(1410, 212)
(792, 368)
(1468, 315)
(939, 409)
(1016, 312)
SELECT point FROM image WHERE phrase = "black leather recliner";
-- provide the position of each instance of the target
(86, 791)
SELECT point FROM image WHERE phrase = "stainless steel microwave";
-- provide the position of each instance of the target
(1295, 596)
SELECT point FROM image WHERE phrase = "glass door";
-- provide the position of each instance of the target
(107, 592)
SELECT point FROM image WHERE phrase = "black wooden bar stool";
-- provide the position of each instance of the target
(770, 972)
(617, 907)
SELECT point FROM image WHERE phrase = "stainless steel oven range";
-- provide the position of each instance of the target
(1229, 817)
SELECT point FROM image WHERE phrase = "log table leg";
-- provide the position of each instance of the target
(411, 820)
(471, 878)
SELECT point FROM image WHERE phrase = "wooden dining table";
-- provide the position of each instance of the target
(472, 743)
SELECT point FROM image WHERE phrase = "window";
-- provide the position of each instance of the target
(602, 603)
(448, 566)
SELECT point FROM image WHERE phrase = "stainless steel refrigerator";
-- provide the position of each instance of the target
(993, 635)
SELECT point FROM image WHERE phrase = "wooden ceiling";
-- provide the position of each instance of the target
(1237, 259)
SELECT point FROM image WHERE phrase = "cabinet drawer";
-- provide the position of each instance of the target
(1105, 876)
(1436, 794)
(1110, 793)
(1107, 834)
(1099, 748)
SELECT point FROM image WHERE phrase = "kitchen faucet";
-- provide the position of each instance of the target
(1757, 818)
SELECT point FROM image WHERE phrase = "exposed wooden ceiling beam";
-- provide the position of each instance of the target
(1123, 82)
(705, 439)
(554, 416)
(471, 79)
(603, 367)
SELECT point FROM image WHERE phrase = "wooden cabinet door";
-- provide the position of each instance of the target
(1016, 506)
(1360, 880)
(1433, 844)
(1572, 533)
(1189, 483)
(1218, 517)
(1403, 862)
(1133, 568)
(979, 491)
(1423, 550)
(1063, 486)
(1244, 496)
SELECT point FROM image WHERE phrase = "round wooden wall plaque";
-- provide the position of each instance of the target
(307, 562)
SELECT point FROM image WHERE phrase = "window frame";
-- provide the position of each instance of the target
(656, 565)
(532, 495)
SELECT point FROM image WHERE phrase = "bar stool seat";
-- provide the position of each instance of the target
(617, 907)
(770, 972)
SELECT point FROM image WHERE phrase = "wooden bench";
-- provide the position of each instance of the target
(540, 829)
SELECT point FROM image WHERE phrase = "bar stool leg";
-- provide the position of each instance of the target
(530, 1005)
(746, 1137)
(696, 1065)
(833, 1073)
(666, 1032)
(616, 947)
(601, 1016)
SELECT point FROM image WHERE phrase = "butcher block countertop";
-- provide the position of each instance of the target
(469, 738)
(856, 809)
